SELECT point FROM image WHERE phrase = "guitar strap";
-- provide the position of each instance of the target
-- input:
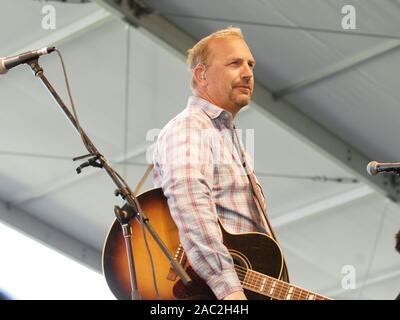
(143, 179)
(259, 204)
(260, 201)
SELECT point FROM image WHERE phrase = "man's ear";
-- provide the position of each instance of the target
(199, 74)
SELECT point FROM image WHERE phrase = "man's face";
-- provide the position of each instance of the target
(229, 75)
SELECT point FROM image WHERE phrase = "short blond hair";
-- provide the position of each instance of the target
(199, 54)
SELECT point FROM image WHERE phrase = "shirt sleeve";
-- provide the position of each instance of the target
(184, 160)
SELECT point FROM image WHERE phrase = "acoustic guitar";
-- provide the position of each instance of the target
(257, 257)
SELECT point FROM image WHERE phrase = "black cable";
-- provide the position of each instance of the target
(145, 239)
(284, 176)
(313, 178)
(87, 145)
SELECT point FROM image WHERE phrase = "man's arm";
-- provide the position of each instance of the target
(239, 295)
(184, 159)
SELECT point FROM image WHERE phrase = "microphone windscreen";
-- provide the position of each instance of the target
(3, 68)
(372, 168)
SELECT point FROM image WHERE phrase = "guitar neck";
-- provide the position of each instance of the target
(274, 288)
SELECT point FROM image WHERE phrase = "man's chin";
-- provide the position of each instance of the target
(242, 101)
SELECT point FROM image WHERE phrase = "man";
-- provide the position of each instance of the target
(200, 164)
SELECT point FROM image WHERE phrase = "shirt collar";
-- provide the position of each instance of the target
(210, 109)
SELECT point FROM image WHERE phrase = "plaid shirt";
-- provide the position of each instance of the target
(198, 165)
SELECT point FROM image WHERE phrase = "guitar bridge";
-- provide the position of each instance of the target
(181, 258)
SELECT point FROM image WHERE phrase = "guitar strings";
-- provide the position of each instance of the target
(253, 280)
(281, 289)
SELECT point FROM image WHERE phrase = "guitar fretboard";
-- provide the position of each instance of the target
(273, 288)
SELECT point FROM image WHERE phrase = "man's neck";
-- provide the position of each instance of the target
(233, 111)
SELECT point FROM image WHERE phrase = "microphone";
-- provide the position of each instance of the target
(374, 167)
(8, 63)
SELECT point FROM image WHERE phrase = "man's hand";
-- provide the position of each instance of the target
(239, 295)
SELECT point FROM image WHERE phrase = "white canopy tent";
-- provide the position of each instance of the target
(335, 109)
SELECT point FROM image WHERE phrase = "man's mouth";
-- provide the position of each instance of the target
(243, 87)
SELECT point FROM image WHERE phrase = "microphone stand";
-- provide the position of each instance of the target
(123, 216)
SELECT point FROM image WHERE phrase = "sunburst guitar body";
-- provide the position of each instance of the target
(257, 257)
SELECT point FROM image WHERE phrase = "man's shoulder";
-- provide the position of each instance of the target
(192, 117)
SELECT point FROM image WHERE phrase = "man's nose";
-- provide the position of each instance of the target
(247, 72)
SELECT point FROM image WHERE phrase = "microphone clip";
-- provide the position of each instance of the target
(96, 161)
